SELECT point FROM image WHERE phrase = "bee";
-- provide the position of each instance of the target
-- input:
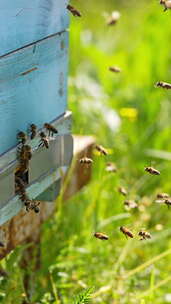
(110, 167)
(101, 236)
(130, 204)
(144, 235)
(152, 171)
(74, 11)
(114, 69)
(101, 149)
(2, 244)
(44, 141)
(164, 85)
(25, 153)
(123, 191)
(168, 202)
(27, 204)
(163, 195)
(52, 130)
(113, 19)
(33, 205)
(21, 136)
(33, 131)
(166, 4)
(86, 161)
(19, 182)
(23, 197)
(23, 167)
(127, 232)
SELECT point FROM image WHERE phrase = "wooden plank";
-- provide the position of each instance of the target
(25, 226)
(23, 22)
(33, 87)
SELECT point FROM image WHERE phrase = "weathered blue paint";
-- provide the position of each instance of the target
(23, 22)
(33, 87)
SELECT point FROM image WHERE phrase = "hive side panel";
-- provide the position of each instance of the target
(23, 22)
(33, 87)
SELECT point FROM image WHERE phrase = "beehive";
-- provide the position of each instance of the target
(33, 89)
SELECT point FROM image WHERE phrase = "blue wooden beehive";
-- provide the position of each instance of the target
(33, 89)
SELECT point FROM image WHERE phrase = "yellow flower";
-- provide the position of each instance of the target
(130, 113)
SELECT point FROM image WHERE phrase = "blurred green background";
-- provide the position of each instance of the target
(131, 118)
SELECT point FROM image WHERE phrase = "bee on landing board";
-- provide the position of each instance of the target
(101, 236)
(101, 150)
(114, 69)
(123, 191)
(33, 131)
(34, 206)
(44, 141)
(144, 235)
(51, 129)
(86, 161)
(25, 153)
(163, 85)
(114, 18)
(152, 171)
(23, 167)
(166, 4)
(21, 136)
(126, 232)
(74, 11)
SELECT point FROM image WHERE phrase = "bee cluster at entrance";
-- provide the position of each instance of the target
(24, 155)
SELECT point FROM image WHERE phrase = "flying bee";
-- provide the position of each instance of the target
(52, 130)
(144, 235)
(113, 19)
(101, 149)
(164, 85)
(167, 202)
(127, 232)
(152, 171)
(114, 69)
(74, 11)
(86, 161)
(21, 136)
(110, 167)
(44, 141)
(33, 131)
(166, 4)
(123, 191)
(101, 236)
(130, 204)
(163, 195)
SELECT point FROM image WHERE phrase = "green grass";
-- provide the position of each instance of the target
(120, 271)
